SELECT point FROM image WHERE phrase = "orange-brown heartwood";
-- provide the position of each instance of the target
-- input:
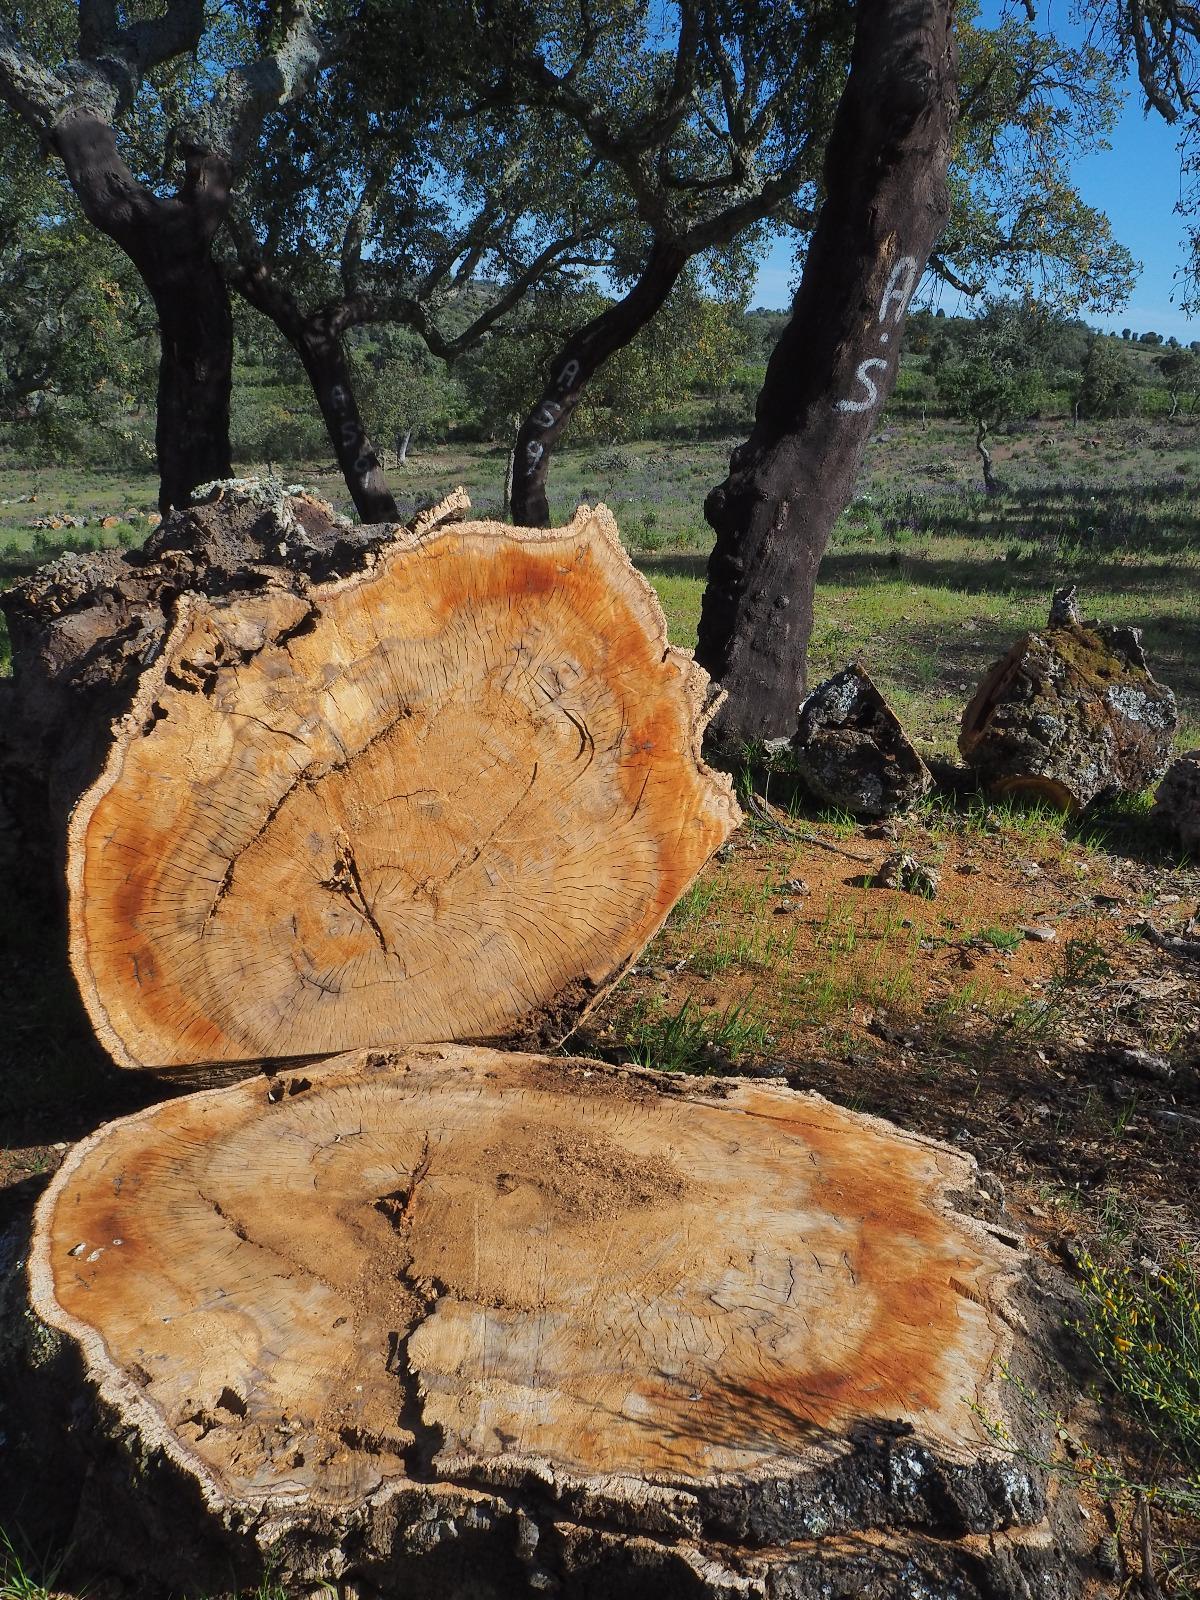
(450, 796)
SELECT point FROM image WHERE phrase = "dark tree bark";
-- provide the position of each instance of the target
(170, 244)
(316, 338)
(887, 201)
(578, 360)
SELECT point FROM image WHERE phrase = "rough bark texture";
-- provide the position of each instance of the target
(1069, 715)
(852, 752)
(1177, 803)
(579, 359)
(170, 243)
(835, 363)
(317, 340)
(453, 1322)
(450, 795)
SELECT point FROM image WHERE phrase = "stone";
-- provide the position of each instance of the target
(1177, 803)
(905, 873)
(852, 752)
(1070, 715)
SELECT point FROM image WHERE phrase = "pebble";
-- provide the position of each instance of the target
(1040, 934)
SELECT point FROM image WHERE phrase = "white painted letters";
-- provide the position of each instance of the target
(900, 285)
(863, 374)
(897, 292)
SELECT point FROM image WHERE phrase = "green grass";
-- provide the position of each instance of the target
(26, 1576)
(694, 1040)
(927, 580)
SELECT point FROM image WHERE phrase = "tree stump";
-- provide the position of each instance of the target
(1177, 802)
(458, 1322)
(1070, 715)
(852, 752)
(447, 788)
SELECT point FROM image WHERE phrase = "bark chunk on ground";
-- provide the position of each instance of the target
(558, 1316)
(852, 752)
(449, 795)
(1070, 715)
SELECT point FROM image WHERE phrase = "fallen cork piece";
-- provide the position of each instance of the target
(368, 787)
(1070, 715)
(443, 1316)
(1177, 802)
(852, 752)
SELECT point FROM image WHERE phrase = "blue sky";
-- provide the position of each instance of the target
(1137, 184)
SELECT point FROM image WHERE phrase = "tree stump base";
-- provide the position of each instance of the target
(1070, 715)
(1177, 801)
(453, 1322)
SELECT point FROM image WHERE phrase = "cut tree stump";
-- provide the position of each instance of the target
(456, 1322)
(1070, 715)
(449, 793)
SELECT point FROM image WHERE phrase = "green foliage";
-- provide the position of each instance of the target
(1108, 381)
(999, 372)
(1180, 371)
(1142, 1324)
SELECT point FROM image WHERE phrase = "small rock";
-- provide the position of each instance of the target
(882, 830)
(1132, 1058)
(968, 868)
(1175, 1120)
(1040, 933)
(904, 872)
(794, 886)
(110, 522)
(784, 910)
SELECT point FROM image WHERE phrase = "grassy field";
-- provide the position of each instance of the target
(786, 960)
(927, 579)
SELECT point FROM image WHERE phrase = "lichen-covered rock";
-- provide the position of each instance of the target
(1177, 803)
(1071, 714)
(852, 752)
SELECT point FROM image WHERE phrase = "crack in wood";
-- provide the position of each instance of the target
(345, 879)
(428, 1438)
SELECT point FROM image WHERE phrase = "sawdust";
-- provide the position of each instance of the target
(582, 1176)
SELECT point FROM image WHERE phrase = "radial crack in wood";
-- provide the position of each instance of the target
(450, 796)
(679, 1328)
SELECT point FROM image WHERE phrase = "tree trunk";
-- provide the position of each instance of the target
(438, 785)
(446, 1322)
(324, 359)
(584, 353)
(834, 365)
(509, 472)
(317, 340)
(402, 443)
(985, 455)
(170, 244)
